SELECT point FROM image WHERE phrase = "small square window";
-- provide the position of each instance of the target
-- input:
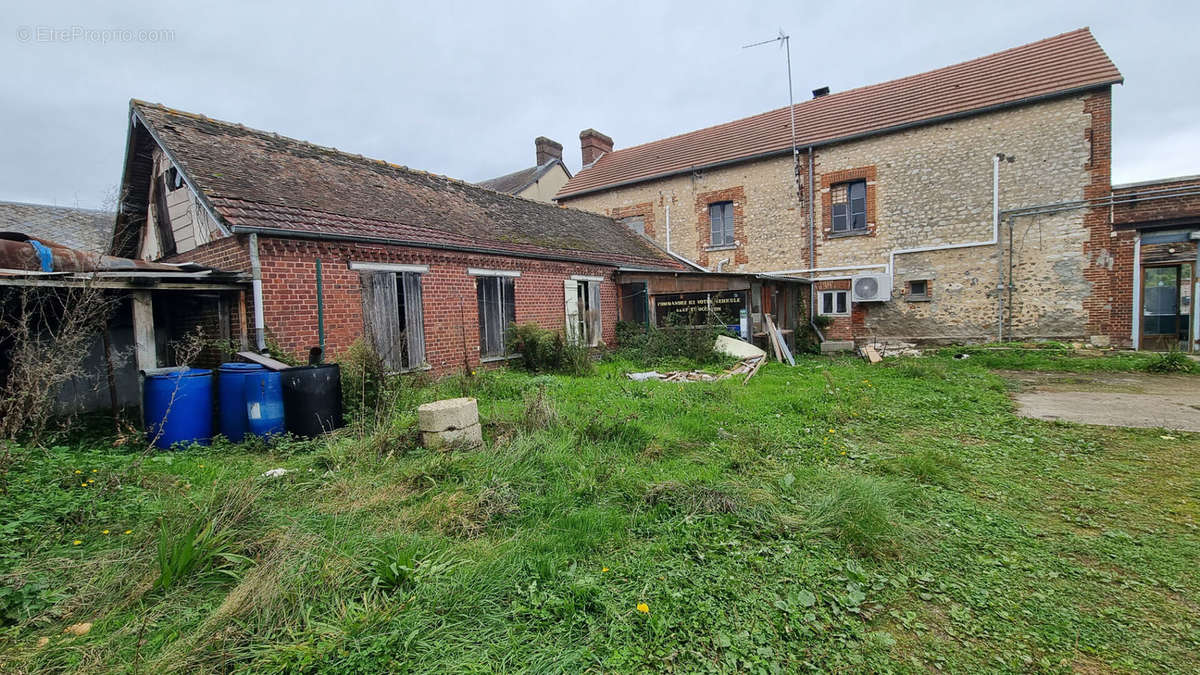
(918, 289)
(834, 303)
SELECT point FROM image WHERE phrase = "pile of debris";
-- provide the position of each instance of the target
(750, 360)
(746, 367)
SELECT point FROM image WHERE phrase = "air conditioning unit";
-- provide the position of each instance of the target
(871, 288)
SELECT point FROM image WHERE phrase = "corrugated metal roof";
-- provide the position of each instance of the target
(1069, 62)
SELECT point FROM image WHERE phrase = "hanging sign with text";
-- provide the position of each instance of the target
(695, 309)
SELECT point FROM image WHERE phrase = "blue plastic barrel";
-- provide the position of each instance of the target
(231, 393)
(178, 407)
(264, 403)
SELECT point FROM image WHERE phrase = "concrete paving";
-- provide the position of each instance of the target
(1109, 399)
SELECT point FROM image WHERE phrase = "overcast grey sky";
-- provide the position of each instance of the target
(462, 88)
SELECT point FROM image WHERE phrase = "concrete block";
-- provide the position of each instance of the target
(471, 437)
(452, 413)
(1101, 341)
(831, 346)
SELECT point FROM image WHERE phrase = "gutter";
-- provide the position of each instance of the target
(388, 241)
(842, 139)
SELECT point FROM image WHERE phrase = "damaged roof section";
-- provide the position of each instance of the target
(262, 182)
(35, 261)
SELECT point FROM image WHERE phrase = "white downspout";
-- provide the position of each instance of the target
(669, 230)
(260, 341)
(1136, 324)
(721, 264)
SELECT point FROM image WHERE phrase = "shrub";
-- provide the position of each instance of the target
(652, 345)
(546, 351)
(364, 382)
(1170, 362)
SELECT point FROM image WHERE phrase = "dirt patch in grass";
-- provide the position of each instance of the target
(1109, 399)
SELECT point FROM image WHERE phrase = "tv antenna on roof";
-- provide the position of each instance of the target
(784, 41)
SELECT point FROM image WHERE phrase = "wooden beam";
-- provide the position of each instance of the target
(263, 360)
(244, 330)
(145, 349)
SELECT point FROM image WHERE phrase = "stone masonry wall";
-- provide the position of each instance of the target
(929, 185)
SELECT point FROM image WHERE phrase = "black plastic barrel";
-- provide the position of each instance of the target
(312, 399)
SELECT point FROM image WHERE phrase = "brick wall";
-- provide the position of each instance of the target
(1163, 207)
(932, 185)
(449, 296)
(1109, 254)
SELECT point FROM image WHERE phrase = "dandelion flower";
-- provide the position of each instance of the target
(78, 471)
(93, 471)
(128, 531)
(603, 569)
(201, 466)
(83, 485)
(91, 480)
(831, 431)
(77, 542)
(643, 608)
(104, 532)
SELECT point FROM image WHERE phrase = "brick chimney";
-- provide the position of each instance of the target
(593, 144)
(547, 150)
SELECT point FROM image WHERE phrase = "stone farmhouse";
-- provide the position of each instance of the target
(338, 246)
(972, 202)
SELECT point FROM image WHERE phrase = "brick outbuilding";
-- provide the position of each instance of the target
(429, 269)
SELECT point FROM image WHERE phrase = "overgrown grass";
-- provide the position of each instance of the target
(1059, 356)
(831, 516)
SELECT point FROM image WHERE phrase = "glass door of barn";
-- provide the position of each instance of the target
(1167, 307)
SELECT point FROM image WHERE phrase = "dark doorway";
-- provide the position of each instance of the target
(1166, 307)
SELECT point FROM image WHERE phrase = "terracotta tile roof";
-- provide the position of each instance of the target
(259, 180)
(82, 229)
(1064, 63)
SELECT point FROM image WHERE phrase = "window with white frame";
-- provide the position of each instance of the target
(393, 313)
(582, 302)
(833, 303)
(496, 293)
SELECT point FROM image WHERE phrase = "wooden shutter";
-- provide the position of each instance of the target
(571, 301)
(381, 316)
(414, 319)
(595, 325)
